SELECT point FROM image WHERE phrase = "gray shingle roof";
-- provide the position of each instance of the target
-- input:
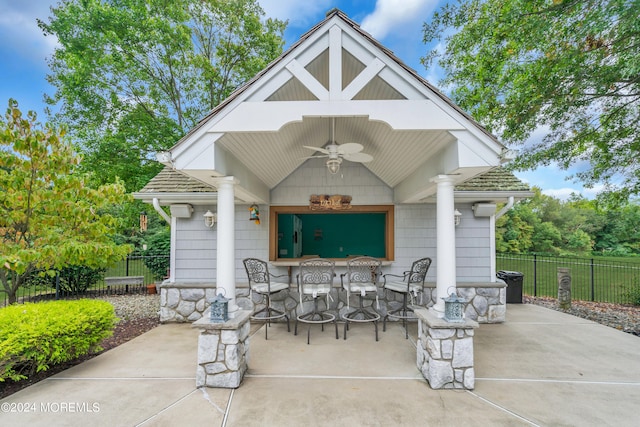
(171, 181)
(498, 179)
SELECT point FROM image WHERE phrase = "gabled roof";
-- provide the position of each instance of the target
(337, 83)
(303, 38)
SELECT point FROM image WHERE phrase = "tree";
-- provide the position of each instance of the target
(513, 234)
(568, 67)
(132, 76)
(49, 217)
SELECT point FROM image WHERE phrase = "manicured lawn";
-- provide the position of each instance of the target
(604, 279)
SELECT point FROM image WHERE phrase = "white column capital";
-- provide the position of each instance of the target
(443, 179)
(225, 180)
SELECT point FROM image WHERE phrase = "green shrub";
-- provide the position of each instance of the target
(633, 296)
(35, 336)
(76, 279)
(157, 253)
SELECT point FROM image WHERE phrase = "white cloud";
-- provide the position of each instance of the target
(393, 15)
(20, 32)
(562, 193)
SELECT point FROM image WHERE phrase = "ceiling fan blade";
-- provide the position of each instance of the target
(320, 149)
(349, 148)
(358, 157)
(314, 157)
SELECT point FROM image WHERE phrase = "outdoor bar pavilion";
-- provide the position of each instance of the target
(336, 149)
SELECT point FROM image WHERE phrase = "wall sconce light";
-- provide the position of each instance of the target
(209, 219)
(334, 165)
(456, 217)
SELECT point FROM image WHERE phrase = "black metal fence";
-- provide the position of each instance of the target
(130, 276)
(592, 279)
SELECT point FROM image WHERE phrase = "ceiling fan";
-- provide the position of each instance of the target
(350, 151)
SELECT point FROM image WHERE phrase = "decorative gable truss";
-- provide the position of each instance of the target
(336, 71)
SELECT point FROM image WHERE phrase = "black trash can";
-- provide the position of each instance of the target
(513, 279)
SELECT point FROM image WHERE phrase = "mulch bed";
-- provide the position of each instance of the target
(123, 332)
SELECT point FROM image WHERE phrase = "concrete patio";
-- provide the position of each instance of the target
(541, 367)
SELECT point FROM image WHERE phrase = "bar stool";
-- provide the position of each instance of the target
(260, 283)
(362, 278)
(315, 280)
(412, 283)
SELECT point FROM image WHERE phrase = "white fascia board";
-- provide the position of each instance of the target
(166, 199)
(399, 114)
(198, 153)
(491, 196)
(473, 148)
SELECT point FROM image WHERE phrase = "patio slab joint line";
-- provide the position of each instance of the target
(334, 377)
(567, 381)
(502, 408)
(166, 408)
(228, 408)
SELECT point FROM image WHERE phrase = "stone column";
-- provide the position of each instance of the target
(223, 350)
(226, 242)
(445, 351)
(445, 242)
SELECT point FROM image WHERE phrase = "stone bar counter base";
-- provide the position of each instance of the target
(223, 350)
(445, 351)
(186, 302)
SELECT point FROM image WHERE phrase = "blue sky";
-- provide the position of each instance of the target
(397, 24)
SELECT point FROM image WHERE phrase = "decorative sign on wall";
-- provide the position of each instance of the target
(325, 202)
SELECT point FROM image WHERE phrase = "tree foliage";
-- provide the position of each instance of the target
(156, 256)
(133, 76)
(546, 225)
(49, 217)
(568, 67)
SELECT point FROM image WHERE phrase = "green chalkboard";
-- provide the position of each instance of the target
(338, 235)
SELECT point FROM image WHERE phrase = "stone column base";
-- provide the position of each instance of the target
(223, 350)
(445, 351)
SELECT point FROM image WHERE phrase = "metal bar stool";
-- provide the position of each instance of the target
(315, 279)
(260, 283)
(411, 284)
(362, 278)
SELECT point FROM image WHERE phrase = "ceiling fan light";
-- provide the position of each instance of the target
(333, 165)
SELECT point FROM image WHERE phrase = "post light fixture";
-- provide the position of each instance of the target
(334, 165)
(454, 308)
(209, 219)
(219, 309)
(457, 216)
